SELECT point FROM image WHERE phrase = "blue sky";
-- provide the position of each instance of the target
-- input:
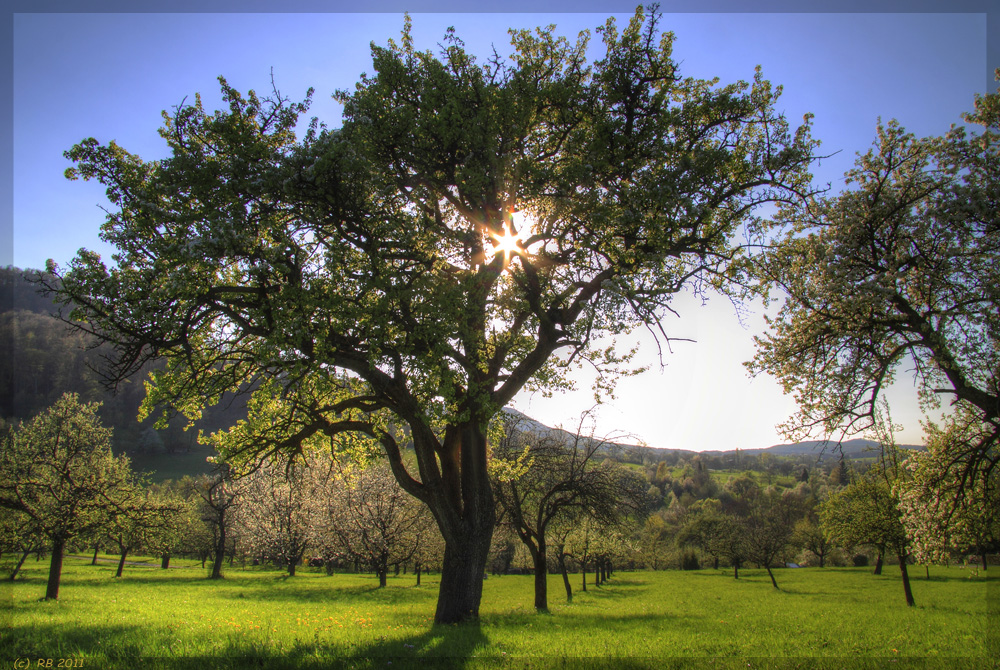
(109, 75)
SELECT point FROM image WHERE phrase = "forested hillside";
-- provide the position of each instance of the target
(42, 358)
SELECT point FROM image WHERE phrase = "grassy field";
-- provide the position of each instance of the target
(832, 618)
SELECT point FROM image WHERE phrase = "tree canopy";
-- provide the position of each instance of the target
(900, 270)
(471, 230)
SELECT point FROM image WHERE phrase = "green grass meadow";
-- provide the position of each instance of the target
(833, 617)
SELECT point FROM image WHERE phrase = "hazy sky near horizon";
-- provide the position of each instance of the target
(110, 75)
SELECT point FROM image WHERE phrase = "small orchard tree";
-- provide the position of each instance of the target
(276, 513)
(767, 529)
(374, 520)
(215, 497)
(544, 480)
(867, 512)
(809, 535)
(943, 512)
(470, 230)
(58, 470)
(141, 521)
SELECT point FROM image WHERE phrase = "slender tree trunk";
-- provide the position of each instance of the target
(927, 571)
(17, 568)
(565, 576)
(906, 579)
(822, 557)
(982, 555)
(121, 562)
(878, 564)
(736, 569)
(55, 569)
(93, 561)
(416, 568)
(220, 551)
(583, 571)
(770, 574)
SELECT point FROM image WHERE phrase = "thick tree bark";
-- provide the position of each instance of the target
(540, 560)
(465, 511)
(878, 564)
(55, 570)
(462, 578)
(121, 563)
(165, 561)
(906, 579)
(93, 561)
(291, 568)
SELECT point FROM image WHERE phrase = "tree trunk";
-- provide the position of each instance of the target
(906, 579)
(93, 561)
(291, 568)
(982, 555)
(466, 513)
(565, 576)
(220, 551)
(17, 568)
(583, 571)
(462, 573)
(771, 575)
(55, 570)
(416, 568)
(165, 561)
(878, 564)
(821, 559)
(736, 569)
(538, 556)
(121, 562)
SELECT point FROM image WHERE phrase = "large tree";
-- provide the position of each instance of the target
(900, 270)
(471, 230)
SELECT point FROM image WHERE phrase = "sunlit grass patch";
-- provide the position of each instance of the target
(639, 618)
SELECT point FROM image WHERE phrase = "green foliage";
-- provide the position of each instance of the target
(900, 269)
(255, 261)
(59, 470)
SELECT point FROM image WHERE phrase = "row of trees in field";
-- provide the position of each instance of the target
(885, 507)
(61, 486)
(560, 500)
